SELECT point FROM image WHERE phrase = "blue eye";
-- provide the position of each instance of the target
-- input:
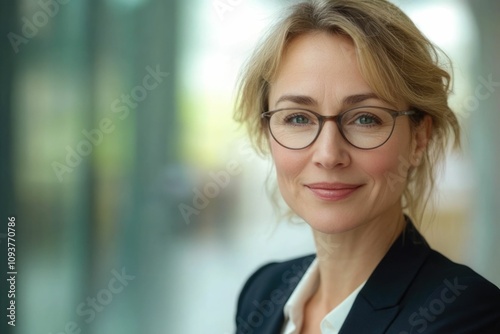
(367, 119)
(298, 119)
(294, 118)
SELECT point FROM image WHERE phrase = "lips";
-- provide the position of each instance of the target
(332, 191)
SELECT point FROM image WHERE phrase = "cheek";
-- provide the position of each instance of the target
(289, 164)
(381, 163)
(388, 166)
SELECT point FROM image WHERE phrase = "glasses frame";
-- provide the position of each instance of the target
(338, 120)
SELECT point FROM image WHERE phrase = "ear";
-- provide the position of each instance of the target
(421, 136)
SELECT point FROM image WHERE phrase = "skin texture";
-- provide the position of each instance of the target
(352, 232)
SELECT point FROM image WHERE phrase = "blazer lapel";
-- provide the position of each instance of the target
(288, 284)
(378, 301)
(363, 318)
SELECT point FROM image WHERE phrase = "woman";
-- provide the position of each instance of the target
(349, 99)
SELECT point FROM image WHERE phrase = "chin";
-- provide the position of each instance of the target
(332, 220)
(333, 227)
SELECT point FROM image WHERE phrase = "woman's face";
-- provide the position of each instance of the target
(333, 186)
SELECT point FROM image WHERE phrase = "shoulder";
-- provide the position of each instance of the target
(446, 297)
(275, 275)
(439, 271)
(272, 282)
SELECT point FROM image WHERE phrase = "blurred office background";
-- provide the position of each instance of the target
(120, 158)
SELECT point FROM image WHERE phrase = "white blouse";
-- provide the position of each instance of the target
(294, 307)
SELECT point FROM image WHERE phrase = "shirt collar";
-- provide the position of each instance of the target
(294, 308)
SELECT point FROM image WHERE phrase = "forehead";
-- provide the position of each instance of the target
(321, 41)
(318, 49)
(321, 65)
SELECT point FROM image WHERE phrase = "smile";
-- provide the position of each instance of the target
(332, 191)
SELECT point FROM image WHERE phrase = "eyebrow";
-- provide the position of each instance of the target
(298, 99)
(309, 101)
(353, 99)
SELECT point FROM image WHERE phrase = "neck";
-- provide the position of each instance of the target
(347, 259)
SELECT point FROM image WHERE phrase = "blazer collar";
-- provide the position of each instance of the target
(289, 283)
(378, 302)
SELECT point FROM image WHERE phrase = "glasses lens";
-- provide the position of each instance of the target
(294, 128)
(367, 127)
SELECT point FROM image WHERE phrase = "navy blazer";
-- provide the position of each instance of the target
(414, 289)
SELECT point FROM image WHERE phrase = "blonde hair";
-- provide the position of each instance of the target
(396, 60)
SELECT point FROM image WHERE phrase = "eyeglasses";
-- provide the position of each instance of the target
(363, 127)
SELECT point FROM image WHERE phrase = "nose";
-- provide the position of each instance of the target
(330, 148)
